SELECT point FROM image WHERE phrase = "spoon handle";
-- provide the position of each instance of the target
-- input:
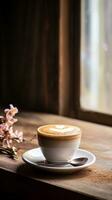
(54, 164)
(75, 162)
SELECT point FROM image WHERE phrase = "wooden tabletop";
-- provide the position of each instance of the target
(93, 182)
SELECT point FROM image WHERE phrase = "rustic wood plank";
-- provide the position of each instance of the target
(93, 182)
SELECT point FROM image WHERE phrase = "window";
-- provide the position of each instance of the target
(91, 53)
(96, 55)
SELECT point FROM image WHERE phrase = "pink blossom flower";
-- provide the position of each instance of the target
(9, 115)
(7, 134)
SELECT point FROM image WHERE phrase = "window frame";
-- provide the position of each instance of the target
(75, 39)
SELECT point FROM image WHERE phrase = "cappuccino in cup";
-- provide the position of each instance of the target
(59, 142)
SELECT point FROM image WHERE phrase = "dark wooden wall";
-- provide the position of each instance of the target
(29, 32)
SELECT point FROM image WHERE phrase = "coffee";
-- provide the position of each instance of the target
(58, 131)
(59, 142)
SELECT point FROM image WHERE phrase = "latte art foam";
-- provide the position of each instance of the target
(59, 130)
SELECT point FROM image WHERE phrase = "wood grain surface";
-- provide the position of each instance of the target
(93, 182)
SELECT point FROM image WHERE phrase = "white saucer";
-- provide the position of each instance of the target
(34, 156)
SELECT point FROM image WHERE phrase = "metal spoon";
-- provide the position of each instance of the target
(78, 161)
(75, 162)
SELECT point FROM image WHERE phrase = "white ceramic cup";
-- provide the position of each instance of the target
(59, 142)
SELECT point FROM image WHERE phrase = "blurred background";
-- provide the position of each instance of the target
(96, 55)
(35, 68)
(29, 54)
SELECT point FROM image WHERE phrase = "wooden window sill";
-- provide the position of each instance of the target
(95, 182)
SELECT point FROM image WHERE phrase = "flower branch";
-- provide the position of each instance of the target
(7, 134)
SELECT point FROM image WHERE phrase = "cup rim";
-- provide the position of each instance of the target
(72, 135)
